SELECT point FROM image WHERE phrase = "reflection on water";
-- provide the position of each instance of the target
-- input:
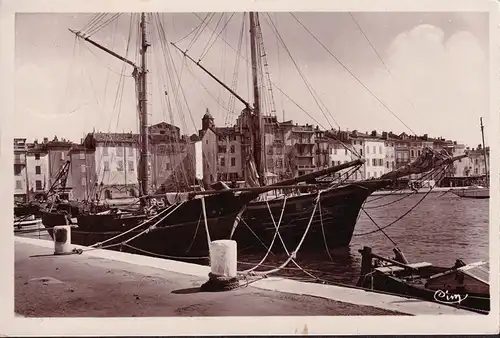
(441, 229)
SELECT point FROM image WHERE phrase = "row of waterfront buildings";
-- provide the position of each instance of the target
(105, 165)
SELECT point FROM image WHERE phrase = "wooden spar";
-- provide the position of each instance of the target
(247, 105)
(80, 35)
(484, 150)
(143, 98)
(257, 151)
(393, 175)
(323, 172)
(257, 190)
(367, 254)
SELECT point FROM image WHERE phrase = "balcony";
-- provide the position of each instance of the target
(305, 142)
(306, 167)
(304, 155)
(303, 130)
(19, 160)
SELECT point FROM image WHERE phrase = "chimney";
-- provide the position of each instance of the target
(384, 135)
(374, 133)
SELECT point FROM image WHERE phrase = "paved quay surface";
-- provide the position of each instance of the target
(90, 286)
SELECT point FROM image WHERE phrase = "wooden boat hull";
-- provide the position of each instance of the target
(183, 233)
(473, 192)
(395, 285)
(27, 210)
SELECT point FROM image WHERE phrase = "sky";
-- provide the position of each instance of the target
(422, 73)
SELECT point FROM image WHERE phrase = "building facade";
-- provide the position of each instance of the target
(21, 182)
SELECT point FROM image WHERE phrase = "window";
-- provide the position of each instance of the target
(381, 162)
(119, 151)
(38, 185)
(279, 150)
(361, 151)
(233, 161)
(270, 163)
(105, 151)
(17, 169)
(130, 166)
(119, 165)
(367, 149)
(387, 164)
(223, 162)
(83, 168)
(84, 182)
(132, 192)
(374, 161)
(368, 175)
(107, 194)
(367, 163)
(168, 166)
(380, 149)
(222, 149)
(269, 150)
(232, 149)
(412, 153)
(162, 150)
(345, 151)
(335, 150)
(130, 152)
(392, 164)
(381, 173)
(38, 170)
(279, 163)
(37, 156)
(106, 165)
(82, 155)
(19, 184)
(374, 149)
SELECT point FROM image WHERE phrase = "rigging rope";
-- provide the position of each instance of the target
(353, 75)
(399, 218)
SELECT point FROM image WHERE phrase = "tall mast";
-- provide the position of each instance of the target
(484, 149)
(257, 118)
(143, 100)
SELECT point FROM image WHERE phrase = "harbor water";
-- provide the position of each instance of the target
(440, 229)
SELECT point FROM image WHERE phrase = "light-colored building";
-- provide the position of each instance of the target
(21, 182)
(37, 162)
(375, 156)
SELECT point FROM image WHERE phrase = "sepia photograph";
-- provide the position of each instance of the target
(252, 164)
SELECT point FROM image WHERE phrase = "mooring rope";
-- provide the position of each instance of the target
(151, 227)
(274, 237)
(293, 254)
(138, 226)
(402, 216)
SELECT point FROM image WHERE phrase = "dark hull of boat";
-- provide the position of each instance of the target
(183, 233)
(27, 210)
(395, 285)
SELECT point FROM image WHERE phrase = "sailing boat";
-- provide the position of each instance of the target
(477, 191)
(220, 209)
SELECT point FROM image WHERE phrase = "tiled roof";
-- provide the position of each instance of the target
(116, 137)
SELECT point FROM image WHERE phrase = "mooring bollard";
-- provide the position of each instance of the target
(223, 260)
(62, 240)
(223, 266)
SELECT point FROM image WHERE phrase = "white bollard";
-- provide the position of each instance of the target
(62, 240)
(223, 258)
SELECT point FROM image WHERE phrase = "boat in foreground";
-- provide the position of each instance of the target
(463, 285)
